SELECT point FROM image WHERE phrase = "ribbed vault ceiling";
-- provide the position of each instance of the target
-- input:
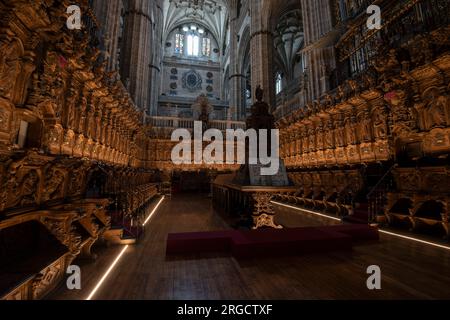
(211, 14)
(289, 38)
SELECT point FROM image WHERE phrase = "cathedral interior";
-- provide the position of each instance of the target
(91, 93)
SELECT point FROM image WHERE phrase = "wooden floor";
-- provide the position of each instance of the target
(409, 270)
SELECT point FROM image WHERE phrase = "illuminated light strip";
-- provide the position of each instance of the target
(153, 212)
(107, 273)
(312, 212)
(415, 239)
(380, 230)
(120, 256)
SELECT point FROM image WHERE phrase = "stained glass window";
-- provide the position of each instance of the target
(179, 43)
(279, 83)
(206, 47)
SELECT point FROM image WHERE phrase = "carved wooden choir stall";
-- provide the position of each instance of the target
(377, 146)
(72, 145)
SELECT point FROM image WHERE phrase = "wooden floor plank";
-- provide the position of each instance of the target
(409, 270)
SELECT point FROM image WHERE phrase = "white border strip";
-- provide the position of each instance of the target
(414, 239)
(308, 211)
(111, 267)
(153, 211)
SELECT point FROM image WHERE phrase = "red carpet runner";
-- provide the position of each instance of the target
(271, 242)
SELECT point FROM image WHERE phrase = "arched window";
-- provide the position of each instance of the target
(193, 45)
(248, 93)
(278, 83)
(193, 41)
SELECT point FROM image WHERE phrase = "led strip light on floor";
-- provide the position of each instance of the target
(111, 267)
(414, 239)
(379, 230)
(153, 211)
(308, 211)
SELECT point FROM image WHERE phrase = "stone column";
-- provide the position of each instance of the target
(319, 45)
(156, 53)
(235, 76)
(113, 33)
(261, 51)
(136, 50)
(108, 13)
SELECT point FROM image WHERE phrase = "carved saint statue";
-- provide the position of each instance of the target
(319, 134)
(76, 180)
(57, 93)
(91, 127)
(54, 185)
(340, 140)
(365, 128)
(351, 138)
(81, 116)
(305, 143)
(29, 188)
(329, 139)
(4, 120)
(312, 140)
(379, 125)
(437, 110)
(70, 105)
